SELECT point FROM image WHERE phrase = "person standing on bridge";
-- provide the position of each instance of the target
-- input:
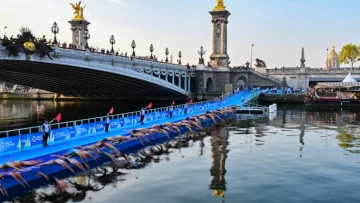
(107, 121)
(185, 108)
(45, 128)
(171, 109)
(142, 113)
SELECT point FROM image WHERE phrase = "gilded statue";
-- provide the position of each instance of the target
(78, 11)
(29, 45)
(219, 5)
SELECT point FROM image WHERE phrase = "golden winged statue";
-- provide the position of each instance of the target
(219, 5)
(78, 11)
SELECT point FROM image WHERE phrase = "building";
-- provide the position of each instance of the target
(332, 60)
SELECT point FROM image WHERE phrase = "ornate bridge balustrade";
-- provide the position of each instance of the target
(138, 73)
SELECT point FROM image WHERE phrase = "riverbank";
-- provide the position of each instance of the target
(282, 98)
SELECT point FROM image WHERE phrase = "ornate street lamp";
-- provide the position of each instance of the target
(166, 53)
(133, 46)
(201, 52)
(179, 57)
(151, 51)
(247, 64)
(55, 29)
(87, 37)
(112, 42)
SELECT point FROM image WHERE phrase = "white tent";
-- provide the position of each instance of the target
(349, 78)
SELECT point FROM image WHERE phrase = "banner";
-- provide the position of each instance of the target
(82, 129)
(9, 143)
(92, 128)
(114, 123)
(72, 131)
(121, 122)
(24, 141)
(127, 121)
(59, 134)
(100, 126)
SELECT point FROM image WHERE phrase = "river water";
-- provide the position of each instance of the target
(302, 155)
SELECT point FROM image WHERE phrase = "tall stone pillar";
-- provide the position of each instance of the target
(219, 57)
(189, 79)
(213, 37)
(78, 28)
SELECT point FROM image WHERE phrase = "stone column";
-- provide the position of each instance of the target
(214, 37)
(225, 36)
(180, 80)
(81, 38)
(223, 48)
(73, 35)
(185, 83)
(189, 89)
(166, 77)
(173, 79)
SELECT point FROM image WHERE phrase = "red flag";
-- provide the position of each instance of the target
(111, 110)
(58, 117)
(150, 106)
(173, 103)
(191, 101)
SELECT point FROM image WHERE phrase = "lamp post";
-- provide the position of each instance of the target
(112, 42)
(5, 31)
(151, 51)
(252, 45)
(180, 57)
(54, 29)
(166, 53)
(201, 52)
(247, 64)
(87, 37)
(133, 46)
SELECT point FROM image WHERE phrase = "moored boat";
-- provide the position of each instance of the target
(344, 94)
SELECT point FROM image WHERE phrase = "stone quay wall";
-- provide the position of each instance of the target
(282, 98)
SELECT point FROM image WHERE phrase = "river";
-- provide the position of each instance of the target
(302, 155)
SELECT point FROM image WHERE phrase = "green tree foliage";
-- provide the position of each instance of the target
(349, 54)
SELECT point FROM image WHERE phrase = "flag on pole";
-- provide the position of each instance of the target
(150, 106)
(58, 117)
(111, 110)
(191, 101)
(173, 103)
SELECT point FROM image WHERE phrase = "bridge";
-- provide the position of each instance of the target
(78, 71)
(83, 73)
(297, 77)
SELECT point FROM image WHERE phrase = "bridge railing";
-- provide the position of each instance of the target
(25, 137)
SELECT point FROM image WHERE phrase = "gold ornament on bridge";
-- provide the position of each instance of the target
(78, 11)
(29, 45)
(219, 5)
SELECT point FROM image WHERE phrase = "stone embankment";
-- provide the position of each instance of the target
(282, 98)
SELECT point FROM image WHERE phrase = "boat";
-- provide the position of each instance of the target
(340, 94)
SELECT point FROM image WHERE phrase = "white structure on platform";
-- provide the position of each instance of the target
(349, 78)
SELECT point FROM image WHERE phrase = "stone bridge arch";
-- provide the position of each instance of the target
(239, 81)
(209, 85)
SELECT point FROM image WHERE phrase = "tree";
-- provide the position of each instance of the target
(349, 54)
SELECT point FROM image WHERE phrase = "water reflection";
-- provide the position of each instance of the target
(271, 152)
(219, 155)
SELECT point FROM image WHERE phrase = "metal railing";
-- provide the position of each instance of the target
(36, 129)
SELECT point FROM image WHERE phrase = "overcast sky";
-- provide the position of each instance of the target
(278, 28)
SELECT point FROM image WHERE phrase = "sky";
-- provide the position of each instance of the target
(277, 28)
